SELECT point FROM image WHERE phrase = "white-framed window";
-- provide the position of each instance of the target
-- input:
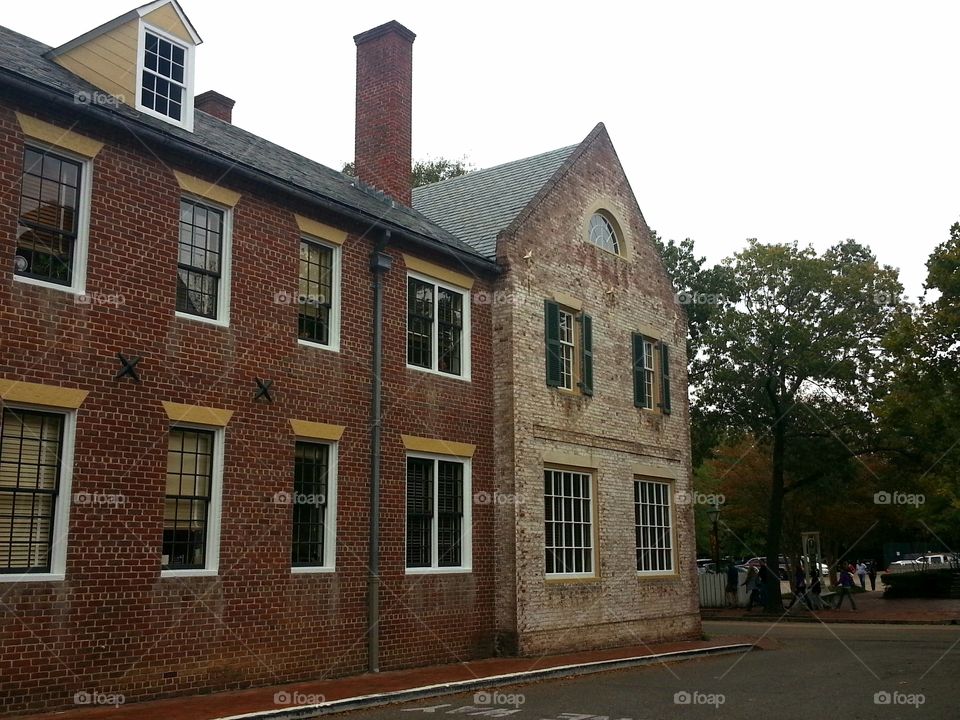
(165, 77)
(438, 326)
(567, 348)
(648, 371)
(204, 261)
(653, 518)
(602, 233)
(54, 219)
(439, 517)
(318, 318)
(570, 547)
(191, 512)
(36, 467)
(314, 503)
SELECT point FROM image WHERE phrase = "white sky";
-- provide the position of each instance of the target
(813, 122)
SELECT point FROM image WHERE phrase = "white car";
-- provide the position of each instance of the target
(930, 561)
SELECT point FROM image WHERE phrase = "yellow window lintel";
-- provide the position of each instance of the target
(58, 136)
(38, 394)
(199, 414)
(316, 430)
(438, 447)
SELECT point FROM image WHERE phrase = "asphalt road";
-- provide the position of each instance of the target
(815, 671)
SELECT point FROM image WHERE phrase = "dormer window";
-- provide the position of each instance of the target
(162, 85)
(165, 77)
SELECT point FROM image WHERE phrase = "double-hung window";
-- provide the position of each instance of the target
(191, 516)
(569, 348)
(568, 523)
(314, 502)
(203, 262)
(53, 219)
(165, 77)
(319, 285)
(35, 459)
(438, 326)
(651, 374)
(653, 513)
(438, 514)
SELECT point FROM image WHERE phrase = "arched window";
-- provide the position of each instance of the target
(603, 235)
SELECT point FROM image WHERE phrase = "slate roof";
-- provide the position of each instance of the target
(22, 56)
(477, 206)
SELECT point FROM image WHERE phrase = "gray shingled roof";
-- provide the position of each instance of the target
(23, 56)
(477, 206)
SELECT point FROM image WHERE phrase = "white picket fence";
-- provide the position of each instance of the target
(712, 587)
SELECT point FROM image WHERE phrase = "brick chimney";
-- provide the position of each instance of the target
(382, 145)
(213, 103)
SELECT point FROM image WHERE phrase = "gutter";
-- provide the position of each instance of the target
(61, 100)
(380, 263)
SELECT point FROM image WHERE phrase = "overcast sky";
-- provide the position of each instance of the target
(812, 122)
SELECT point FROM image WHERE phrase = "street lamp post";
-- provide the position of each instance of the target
(714, 514)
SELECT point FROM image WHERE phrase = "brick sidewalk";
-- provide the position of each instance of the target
(871, 608)
(263, 700)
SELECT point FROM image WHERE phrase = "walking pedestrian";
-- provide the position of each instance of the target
(733, 580)
(799, 589)
(752, 585)
(845, 589)
(763, 576)
(815, 589)
(862, 574)
(873, 574)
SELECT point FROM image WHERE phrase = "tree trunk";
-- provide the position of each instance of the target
(775, 519)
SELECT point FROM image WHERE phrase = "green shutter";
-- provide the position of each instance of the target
(552, 334)
(665, 378)
(586, 354)
(639, 386)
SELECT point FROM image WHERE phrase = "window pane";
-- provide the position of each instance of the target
(199, 258)
(30, 448)
(449, 330)
(568, 523)
(419, 323)
(316, 292)
(419, 512)
(653, 526)
(309, 501)
(449, 513)
(189, 485)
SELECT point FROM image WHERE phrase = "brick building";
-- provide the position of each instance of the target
(225, 368)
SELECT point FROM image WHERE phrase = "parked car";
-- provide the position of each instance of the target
(930, 561)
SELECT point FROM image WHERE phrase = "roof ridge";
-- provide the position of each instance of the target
(480, 171)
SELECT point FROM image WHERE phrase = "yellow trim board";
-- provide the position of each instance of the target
(438, 447)
(38, 394)
(569, 301)
(315, 430)
(54, 135)
(657, 471)
(207, 189)
(177, 412)
(320, 230)
(553, 457)
(438, 272)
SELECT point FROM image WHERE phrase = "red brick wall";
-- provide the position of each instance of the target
(114, 625)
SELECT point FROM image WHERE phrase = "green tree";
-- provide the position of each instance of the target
(426, 172)
(921, 413)
(793, 358)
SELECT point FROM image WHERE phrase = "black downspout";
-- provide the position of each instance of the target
(380, 263)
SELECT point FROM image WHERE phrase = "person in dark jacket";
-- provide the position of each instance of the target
(733, 580)
(815, 589)
(800, 589)
(845, 589)
(873, 575)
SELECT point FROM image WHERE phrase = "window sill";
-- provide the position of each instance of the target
(431, 371)
(201, 319)
(439, 571)
(32, 577)
(565, 579)
(308, 343)
(69, 289)
(306, 570)
(188, 573)
(658, 575)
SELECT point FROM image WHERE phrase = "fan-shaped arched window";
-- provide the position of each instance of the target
(602, 234)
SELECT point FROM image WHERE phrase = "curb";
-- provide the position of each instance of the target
(459, 686)
(850, 620)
